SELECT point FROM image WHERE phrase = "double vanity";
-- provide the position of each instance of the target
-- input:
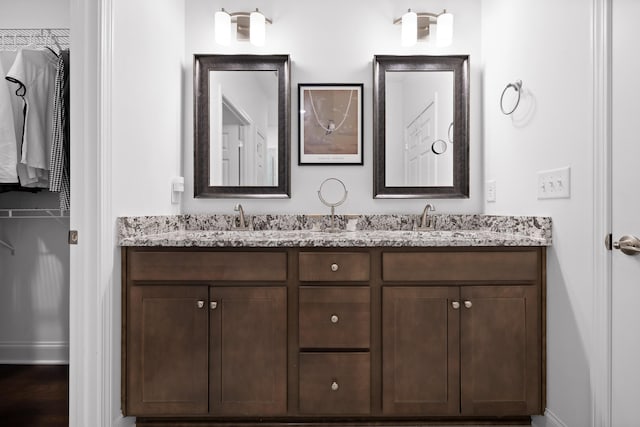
(383, 325)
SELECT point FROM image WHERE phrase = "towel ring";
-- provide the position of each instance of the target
(517, 86)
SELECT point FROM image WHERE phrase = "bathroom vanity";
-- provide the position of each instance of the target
(368, 327)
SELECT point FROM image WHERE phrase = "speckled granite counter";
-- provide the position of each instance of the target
(299, 231)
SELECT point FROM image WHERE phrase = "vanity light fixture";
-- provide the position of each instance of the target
(417, 26)
(249, 26)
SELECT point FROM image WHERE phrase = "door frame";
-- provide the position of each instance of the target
(601, 346)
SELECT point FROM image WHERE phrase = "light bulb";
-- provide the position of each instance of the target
(257, 28)
(223, 27)
(444, 35)
(409, 28)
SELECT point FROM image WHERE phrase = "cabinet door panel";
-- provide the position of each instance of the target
(420, 342)
(500, 350)
(167, 350)
(248, 351)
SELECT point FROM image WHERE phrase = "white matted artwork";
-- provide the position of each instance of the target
(330, 124)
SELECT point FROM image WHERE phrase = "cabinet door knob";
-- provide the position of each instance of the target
(200, 304)
(334, 267)
(455, 305)
(214, 305)
(334, 318)
(468, 304)
(334, 386)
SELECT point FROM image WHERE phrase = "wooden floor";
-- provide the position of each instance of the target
(34, 395)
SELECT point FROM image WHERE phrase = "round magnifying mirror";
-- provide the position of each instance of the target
(332, 192)
(439, 146)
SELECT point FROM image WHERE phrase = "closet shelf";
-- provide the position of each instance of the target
(33, 213)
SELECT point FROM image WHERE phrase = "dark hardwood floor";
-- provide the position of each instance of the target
(34, 395)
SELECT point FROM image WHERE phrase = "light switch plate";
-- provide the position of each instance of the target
(491, 190)
(177, 188)
(554, 183)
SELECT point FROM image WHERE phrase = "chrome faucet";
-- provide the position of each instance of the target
(427, 222)
(242, 223)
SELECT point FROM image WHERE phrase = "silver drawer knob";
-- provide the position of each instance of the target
(334, 318)
(455, 305)
(200, 304)
(334, 267)
(334, 386)
(468, 304)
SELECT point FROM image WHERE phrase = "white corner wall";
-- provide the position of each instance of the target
(547, 45)
(34, 283)
(333, 41)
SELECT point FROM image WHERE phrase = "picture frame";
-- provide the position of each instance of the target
(330, 124)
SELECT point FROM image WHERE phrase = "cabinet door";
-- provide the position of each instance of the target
(167, 345)
(500, 350)
(420, 351)
(248, 364)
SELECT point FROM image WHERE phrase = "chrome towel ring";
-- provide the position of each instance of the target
(517, 86)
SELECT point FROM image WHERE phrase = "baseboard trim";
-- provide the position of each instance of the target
(34, 353)
(548, 420)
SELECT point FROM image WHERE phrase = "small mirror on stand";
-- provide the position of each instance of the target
(332, 193)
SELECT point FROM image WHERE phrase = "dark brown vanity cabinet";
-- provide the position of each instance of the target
(213, 348)
(467, 341)
(296, 335)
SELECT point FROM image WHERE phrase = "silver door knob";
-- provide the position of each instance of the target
(629, 245)
(200, 304)
(334, 386)
(468, 304)
(334, 318)
(213, 305)
(455, 305)
(334, 267)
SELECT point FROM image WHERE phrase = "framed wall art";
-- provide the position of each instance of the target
(330, 124)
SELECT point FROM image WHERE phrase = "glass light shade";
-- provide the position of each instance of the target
(223, 28)
(409, 28)
(444, 34)
(257, 28)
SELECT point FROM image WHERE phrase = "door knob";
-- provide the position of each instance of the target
(455, 305)
(629, 245)
(200, 304)
(468, 304)
(213, 305)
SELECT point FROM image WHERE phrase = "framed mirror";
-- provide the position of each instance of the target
(242, 126)
(421, 126)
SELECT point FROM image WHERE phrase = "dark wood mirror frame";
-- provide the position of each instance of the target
(459, 64)
(203, 64)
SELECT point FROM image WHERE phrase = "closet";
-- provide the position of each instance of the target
(34, 228)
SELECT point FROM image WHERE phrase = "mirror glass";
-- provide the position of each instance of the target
(244, 147)
(421, 126)
(241, 126)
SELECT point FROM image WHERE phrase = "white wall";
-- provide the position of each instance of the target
(546, 44)
(34, 283)
(333, 41)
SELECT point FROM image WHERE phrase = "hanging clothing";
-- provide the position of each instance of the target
(59, 164)
(34, 72)
(8, 148)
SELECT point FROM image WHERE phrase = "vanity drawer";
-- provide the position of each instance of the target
(333, 266)
(460, 266)
(335, 383)
(334, 317)
(233, 266)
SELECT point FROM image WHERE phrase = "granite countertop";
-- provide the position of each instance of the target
(306, 231)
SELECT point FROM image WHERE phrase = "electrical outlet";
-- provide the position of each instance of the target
(491, 190)
(555, 183)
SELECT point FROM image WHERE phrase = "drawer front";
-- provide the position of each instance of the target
(333, 266)
(252, 266)
(460, 266)
(334, 317)
(335, 383)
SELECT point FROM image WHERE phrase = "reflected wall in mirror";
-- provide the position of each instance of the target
(421, 120)
(242, 127)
